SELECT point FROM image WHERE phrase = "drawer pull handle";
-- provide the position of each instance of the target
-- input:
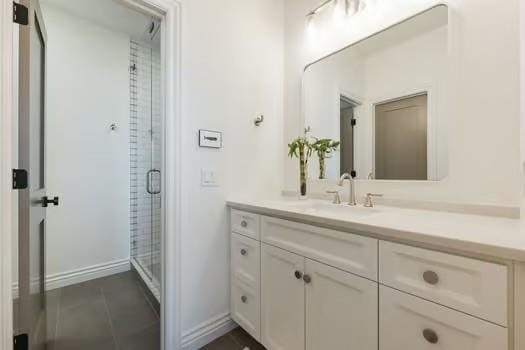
(244, 299)
(244, 252)
(244, 223)
(298, 275)
(430, 336)
(307, 279)
(431, 277)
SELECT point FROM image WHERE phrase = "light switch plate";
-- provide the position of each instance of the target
(209, 178)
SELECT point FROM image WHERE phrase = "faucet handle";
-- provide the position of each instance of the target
(337, 197)
(368, 202)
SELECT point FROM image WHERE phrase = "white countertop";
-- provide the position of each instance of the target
(472, 234)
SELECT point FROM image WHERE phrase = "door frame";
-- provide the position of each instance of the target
(357, 102)
(170, 12)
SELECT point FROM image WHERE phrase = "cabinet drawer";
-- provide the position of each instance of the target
(408, 322)
(245, 306)
(245, 223)
(352, 253)
(245, 259)
(472, 286)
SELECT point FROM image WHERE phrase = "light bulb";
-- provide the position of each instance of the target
(339, 10)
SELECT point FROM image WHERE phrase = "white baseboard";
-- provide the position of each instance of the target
(207, 332)
(84, 274)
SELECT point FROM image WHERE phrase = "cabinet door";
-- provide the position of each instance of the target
(282, 299)
(341, 309)
(408, 322)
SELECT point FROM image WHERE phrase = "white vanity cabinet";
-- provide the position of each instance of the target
(302, 287)
(309, 305)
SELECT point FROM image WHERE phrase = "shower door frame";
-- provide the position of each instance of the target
(169, 11)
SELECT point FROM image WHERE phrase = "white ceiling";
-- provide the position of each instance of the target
(111, 14)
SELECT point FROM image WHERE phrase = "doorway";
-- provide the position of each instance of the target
(401, 139)
(83, 290)
(347, 125)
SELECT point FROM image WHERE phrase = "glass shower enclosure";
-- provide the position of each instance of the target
(145, 163)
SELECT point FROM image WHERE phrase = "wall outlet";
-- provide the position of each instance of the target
(209, 178)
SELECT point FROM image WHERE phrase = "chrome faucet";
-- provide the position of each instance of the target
(346, 176)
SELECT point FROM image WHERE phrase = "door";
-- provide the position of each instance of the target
(32, 200)
(341, 309)
(401, 139)
(282, 299)
(347, 124)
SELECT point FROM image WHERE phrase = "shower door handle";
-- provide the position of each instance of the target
(149, 176)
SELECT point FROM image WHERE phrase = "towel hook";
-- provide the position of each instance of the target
(258, 121)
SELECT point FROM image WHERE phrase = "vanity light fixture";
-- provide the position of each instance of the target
(355, 5)
(318, 8)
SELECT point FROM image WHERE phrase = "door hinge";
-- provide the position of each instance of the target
(20, 14)
(21, 342)
(353, 122)
(19, 179)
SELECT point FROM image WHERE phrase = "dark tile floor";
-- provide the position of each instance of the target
(111, 313)
(237, 339)
(114, 313)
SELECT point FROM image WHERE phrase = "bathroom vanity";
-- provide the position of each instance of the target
(315, 275)
(319, 276)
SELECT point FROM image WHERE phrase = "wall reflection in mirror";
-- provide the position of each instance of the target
(386, 100)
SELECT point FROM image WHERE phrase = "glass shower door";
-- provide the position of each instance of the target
(155, 171)
(145, 163)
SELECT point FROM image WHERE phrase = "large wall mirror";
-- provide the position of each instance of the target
(386, 100)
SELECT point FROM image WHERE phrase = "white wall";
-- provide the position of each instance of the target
(87, 164)
(232, 66)
(483, 137)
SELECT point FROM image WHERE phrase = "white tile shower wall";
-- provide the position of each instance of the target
(145, 156)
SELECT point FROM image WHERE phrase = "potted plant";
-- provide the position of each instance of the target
(301, 148)
(323, 148)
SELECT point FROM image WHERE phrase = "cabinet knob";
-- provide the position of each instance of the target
(244, 252)
(244, 223)
(430, 336)
(298, 275)
(244, 299)
(307, 279)
(431, 277)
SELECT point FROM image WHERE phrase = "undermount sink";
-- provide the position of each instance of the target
(319, 207)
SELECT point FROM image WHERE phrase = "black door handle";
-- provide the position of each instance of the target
(46, 201)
